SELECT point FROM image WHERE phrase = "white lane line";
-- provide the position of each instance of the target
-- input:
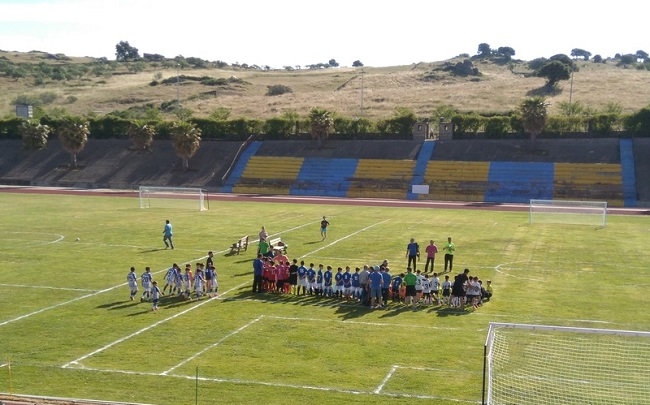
(46, 287)
(136, 333)
(217, 343)
(385, 380)
(344, 238)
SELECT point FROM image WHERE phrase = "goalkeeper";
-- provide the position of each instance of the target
(167, 235)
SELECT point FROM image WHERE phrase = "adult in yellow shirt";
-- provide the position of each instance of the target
(449, 250)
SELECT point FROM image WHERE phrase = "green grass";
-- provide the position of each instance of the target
(64, 303)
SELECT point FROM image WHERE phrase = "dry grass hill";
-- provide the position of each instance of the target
(100, 87)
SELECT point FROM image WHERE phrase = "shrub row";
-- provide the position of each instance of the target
(466, 126)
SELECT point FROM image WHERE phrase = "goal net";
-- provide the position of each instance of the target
(537, 364)
(173, 197)
(568, 212)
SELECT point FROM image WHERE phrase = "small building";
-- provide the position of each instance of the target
(445, 130)
(24, 111)
(421, 130)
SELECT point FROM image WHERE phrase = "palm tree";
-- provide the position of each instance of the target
(141, 135)
(534, 115)
(34, 135)
(322, 124)
(73, 133)
(187, 139)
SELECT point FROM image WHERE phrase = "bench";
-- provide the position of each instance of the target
(241, 244)
(277, 244)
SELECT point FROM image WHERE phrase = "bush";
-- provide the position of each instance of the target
(11, 128)
(497, 127)
(639, 122)
(279, 128)
(278, 89)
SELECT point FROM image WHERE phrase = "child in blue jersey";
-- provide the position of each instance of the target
(395, 286)
(178, 281)
(356, 286)
(132, 280)
(347, 283)
(208, 273)
(155, 295)
(199, 282)
(302, 279)
(147, 279)
(338, 285)
(215, 283)
(327, 282)
(311, 279)
(170, 278)
(187, 280)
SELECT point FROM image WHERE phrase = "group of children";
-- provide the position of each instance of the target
(180, 283)
(279, 275)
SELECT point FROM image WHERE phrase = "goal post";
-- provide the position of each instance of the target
(568, 212)
(173, 197)
(541, 364)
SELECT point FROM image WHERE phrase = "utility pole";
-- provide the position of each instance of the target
(362, 72)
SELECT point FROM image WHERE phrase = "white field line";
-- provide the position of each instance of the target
(217, 343)
(136, 333)
(345, 237)
(438, 369)
(281, 385)
(4, 365)
(385, 380)
(46, 287)
(381, 324)
(120, 285)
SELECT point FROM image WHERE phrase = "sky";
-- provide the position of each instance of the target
(282, 33)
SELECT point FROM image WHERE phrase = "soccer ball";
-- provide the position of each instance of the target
(77, 240)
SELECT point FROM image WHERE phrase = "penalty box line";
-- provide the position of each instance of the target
(271, 384)
(138, 332)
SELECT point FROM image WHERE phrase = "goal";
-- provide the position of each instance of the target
(174, 197)
(568, 212)
(539, 364)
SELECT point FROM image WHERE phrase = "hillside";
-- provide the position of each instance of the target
(92, 86)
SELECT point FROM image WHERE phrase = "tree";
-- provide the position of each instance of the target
(506, 52)
(141, 136)
(641, 55)
(333, 63)
(627, 59)
(322, 124)
(357, 63)
(34, 135)
(124, 51)
(484, 50)
(580, 53)
(73, 133)
(560, 57)
(534, 115)
(554, 71)
(186, 138)
(598, 58)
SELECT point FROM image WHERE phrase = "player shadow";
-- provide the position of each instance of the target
(246, 260)
(123, 305)
(111, 304)
(247, 273)
(152, 250)
(148, 310)
(395, 310)
(448, 311)
(313, 242)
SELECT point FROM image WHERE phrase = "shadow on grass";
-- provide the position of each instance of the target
(112, 304)
(447, 311)
(152, 250)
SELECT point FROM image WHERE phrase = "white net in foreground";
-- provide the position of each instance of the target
(174, 197)
(568, 212)
(537, 364)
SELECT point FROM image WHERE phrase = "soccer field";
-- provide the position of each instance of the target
(68, 328)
